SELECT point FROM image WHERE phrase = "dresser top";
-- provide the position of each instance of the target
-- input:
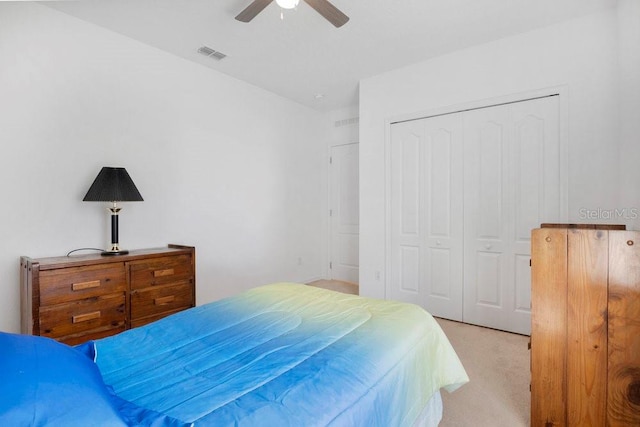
(96, 258)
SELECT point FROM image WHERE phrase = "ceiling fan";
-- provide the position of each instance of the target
(323, 7)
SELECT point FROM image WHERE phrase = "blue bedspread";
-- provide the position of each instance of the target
(285, 355)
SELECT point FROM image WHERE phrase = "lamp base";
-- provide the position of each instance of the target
(114, 249)
(114, 253)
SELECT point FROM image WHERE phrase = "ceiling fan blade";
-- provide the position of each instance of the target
(252, 10)
(329, 11)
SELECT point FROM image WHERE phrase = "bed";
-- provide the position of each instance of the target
(276, 355)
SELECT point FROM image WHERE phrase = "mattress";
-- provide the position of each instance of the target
(285, 355)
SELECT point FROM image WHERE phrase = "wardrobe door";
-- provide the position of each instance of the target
(487, 205)
(426, 214)
(511, 185)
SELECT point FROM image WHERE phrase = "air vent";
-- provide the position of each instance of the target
(207, 51)
(347, 122)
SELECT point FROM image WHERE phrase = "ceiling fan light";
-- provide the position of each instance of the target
(287, 4)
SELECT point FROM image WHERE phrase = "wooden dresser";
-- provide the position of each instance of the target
(585, 331)
(77, 298)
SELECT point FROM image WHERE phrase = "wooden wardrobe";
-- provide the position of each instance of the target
(585, 326)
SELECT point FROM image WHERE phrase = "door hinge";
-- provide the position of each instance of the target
(330, 160)
(330, 212)
(330, 265)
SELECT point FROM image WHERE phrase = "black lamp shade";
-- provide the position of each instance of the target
(113, 185)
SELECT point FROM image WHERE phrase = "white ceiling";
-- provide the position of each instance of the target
(304, 55)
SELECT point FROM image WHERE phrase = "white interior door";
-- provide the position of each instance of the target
(512, 184)
(426, 214)
(344, 213)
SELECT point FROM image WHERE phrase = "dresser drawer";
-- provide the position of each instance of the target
(103, 312)
(71, 284)
(161, 299)
(160, 271)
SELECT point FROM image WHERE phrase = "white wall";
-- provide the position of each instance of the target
(343, 126)
(629, 107)
(580, 55)
(229, 168)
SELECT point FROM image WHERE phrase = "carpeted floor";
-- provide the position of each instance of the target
(336, 285)
(498, 366)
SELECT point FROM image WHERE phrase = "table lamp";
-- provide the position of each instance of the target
(113, 185)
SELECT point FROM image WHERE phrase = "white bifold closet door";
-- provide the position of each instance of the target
(427, 214)
(466, 189)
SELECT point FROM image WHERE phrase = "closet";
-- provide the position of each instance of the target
(465, 189)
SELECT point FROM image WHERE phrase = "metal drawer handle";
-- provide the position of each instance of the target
(85, 285)
(164, 300)
(161, 273)
(86, 317)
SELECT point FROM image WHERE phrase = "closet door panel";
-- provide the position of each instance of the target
(522, 297)
(439, 177)
(486, 140)
(443, 216)
(529, 133)
(410, 270)
(441, 283)
(486, 201)
(406, 202)
(536, 191)
(426, 214)
(410, 185)
(537, 156)
(487, 276)
(512, 184)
